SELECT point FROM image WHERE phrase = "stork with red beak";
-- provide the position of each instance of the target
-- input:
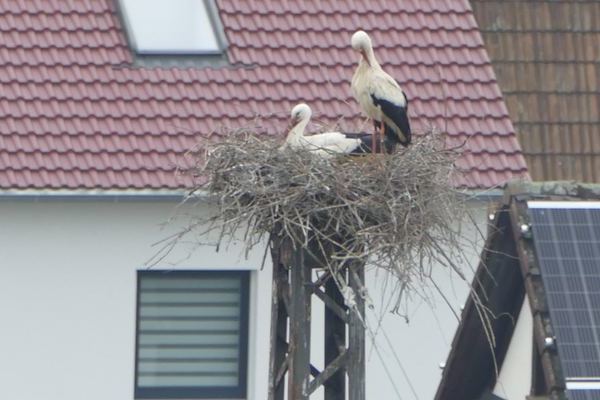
(325, 145)
(379, 95)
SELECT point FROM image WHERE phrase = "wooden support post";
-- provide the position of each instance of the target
(356, 335)
(299, 347)
(335, 339)
(279, 315)
(291, 316)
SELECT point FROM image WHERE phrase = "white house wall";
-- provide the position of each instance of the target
(514, 379)
(67, 305)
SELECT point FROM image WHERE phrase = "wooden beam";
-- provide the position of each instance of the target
(282, 370)
(533, 284)
(332, 305)
(299, 347)
(326, 276)
(314, 371)
(335, 339)
(284, 295)
(278, 332)
(356, 336)
(331, 369)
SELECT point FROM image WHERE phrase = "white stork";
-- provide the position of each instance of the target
(379, 95)
(323, 144)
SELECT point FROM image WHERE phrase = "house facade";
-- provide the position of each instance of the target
(98, 115)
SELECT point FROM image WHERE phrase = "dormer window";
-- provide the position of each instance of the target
(179, 27)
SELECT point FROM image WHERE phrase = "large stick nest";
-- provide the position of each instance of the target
(395, 212)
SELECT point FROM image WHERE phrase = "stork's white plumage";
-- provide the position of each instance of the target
(324, 144)
(378, 94)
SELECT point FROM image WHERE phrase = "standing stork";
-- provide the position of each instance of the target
(379, 95)
(323, 144)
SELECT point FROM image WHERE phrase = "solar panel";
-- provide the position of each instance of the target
(567, 242)
(583, 395)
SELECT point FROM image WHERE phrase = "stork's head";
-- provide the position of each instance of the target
(300, 112)
(361, 42)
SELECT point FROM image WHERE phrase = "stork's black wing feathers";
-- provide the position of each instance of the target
(398, 115)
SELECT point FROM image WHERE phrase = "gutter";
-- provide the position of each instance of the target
(114, 196)
(493, 194)
(117, 196)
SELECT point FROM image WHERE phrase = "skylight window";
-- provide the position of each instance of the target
(171, 26)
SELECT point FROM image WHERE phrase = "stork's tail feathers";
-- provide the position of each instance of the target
(390, 135)
(404, 126)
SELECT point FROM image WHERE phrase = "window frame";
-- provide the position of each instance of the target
(199, 392)
(216, 25)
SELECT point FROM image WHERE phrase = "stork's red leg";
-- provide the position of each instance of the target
(374, 142)
(381, 136)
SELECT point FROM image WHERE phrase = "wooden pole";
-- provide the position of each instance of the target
(279, 315)
(335, 342)
(356, 336)
(299, 347)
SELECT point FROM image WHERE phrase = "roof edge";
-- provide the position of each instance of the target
(548, 189)
(165, 194)
(113, 195)
(493, 194)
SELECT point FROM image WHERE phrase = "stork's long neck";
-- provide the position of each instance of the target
(369, 58)
(297, 131)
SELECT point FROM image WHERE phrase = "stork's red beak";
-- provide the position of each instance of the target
(293, 122)
(364, 56)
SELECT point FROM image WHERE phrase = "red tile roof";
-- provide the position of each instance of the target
(76, 113)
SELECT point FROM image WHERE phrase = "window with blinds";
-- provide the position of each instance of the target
(192, 334)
